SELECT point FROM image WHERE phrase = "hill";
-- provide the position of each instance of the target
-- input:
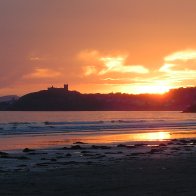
(61, 99)
(8, 98)
(7, 101)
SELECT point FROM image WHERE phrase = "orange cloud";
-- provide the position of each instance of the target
(42, 73)
(180, 68)
(101, 64)
(181, 56)
(89, 70)
(117, 64)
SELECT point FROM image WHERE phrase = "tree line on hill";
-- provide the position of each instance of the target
(176, 99)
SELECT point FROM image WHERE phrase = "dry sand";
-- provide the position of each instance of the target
(140, 170)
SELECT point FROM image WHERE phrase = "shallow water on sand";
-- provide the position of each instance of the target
(46, 129)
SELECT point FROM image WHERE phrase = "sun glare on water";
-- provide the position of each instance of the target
(153, 136)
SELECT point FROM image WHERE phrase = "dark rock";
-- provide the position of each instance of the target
(64, 148)
(162, 144)
(139, 145)
(79, 143)
(3, 153)
(76, 147)
(87, 155)
(132, 147)
(121, 146)
(100, 147)
(28, 150)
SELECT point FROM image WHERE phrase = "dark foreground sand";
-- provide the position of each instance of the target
(167, 176)
(82, 170)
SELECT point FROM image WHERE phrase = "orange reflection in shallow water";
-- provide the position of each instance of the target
(153, 136)
(132, 137)
(43, 141)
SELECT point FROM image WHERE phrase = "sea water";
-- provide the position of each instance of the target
(64, 127)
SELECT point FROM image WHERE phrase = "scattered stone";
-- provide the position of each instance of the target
(79, 143)
(28, 150)
(100, 147)
(46, 123)
(121, 146)
(162, 144)
(85, 151)
(3, 154)
(76, 147)
(64, 148)
(87, 155)
(139, 145)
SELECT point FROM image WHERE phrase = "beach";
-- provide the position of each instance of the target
(167, 168)
(97, 153)
(147, 177)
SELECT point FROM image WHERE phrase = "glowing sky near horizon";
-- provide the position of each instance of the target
(131, 46)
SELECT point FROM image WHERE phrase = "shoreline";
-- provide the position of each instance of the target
(16, 143)
(28, 159)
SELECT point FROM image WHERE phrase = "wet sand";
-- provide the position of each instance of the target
(167, 168)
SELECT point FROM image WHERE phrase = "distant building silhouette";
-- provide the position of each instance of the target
(54, 89)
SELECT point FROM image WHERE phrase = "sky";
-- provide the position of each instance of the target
(97, 46)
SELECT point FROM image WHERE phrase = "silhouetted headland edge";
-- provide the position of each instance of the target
(62, 99)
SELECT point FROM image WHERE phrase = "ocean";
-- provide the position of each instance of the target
(45, 129)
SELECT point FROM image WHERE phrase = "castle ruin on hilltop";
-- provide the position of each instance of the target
(54, 89)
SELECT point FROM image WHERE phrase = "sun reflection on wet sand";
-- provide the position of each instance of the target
(132, 137)
(153, 136)
(55, 140)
